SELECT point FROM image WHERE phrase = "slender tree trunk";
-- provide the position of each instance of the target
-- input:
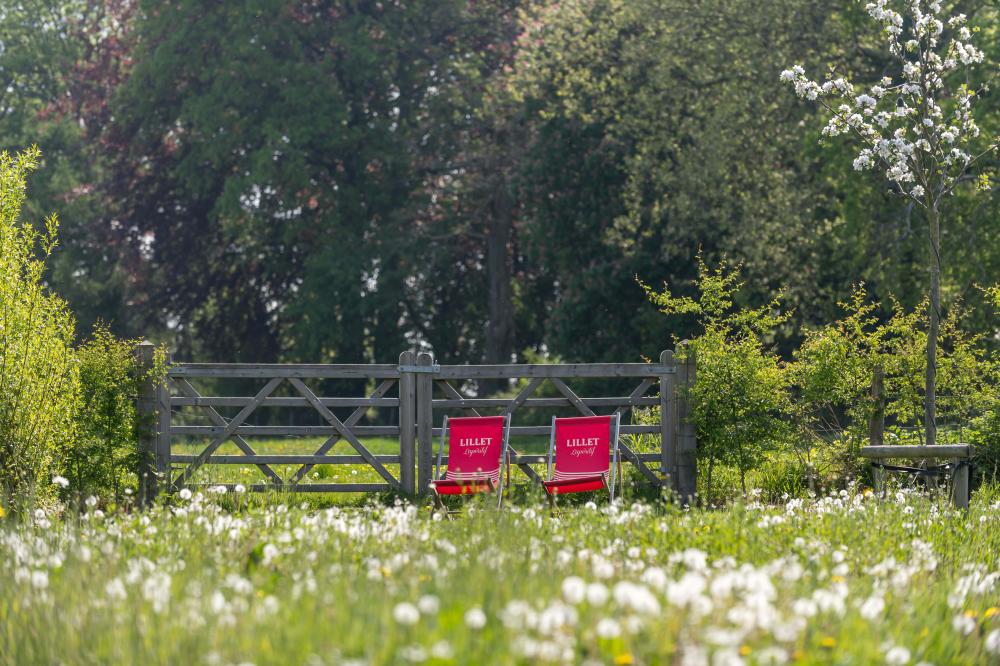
(708, 489)
(500, 327)
(934, 316)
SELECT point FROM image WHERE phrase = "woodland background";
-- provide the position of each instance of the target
(338, 181)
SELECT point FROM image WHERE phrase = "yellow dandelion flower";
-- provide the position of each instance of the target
(745, 650)
(828, 642)
(925, 632)
(837, 579)
(625, 659)
(971, 613)
(2, 512)
(990, 612)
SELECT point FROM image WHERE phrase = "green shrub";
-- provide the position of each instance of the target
(835, 366)
(984, 436)
(38, 376)
(103, 458)
(740, 401)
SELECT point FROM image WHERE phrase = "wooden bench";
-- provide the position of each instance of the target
(957, 454)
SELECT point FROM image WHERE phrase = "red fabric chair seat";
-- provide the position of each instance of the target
(462, 487)
(582, 485)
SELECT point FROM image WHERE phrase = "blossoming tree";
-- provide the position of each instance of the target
(916, 125)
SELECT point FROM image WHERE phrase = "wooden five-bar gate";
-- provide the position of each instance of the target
(418, 393)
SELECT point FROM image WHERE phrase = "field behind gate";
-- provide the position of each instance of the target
(845, 579)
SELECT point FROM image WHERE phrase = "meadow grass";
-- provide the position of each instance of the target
(216, 579)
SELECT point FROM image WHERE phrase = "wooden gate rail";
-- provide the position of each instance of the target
(416, 377)
(677, 445)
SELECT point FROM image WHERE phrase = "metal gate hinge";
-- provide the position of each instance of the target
(424, 369)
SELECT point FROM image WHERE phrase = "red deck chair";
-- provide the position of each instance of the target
(477, 451)
(582, 447)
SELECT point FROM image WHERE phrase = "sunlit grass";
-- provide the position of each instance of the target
(838, 580)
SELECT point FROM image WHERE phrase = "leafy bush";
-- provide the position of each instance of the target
(835, 366)
(752, 410)
(103, 458)
(38, 376)
(740, 401)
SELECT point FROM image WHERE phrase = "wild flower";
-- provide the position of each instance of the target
(597, 594)
(406, 614)
(897, 656)
(992, 642)
(428, 604)
(574, 590)
(60, 481)
(963, 624)
(872, 607)
(608, 628)
(475, 618)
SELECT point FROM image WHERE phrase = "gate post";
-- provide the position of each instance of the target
(407, 423)
(668, 411)
(153, 411)
(687, 433)
(425, 423)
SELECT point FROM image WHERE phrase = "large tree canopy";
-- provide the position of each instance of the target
(338, 181)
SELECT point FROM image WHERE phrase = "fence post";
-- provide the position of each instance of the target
(425, 424)
(668, 410)
(407, 424)
(960, 486)
(687, 437)
(153, 438)
(876, 424)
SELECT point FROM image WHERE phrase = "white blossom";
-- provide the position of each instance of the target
(406, 614)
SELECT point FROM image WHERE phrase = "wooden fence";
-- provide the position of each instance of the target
(418, 393)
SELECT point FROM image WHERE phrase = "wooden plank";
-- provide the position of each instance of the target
(668, 446)
(639, 464)
(903, 451)
(572, 397)
(219, 420)
(163, 417)
(408, 426)
(283, 459)
(304, 487)
(282, 430)
(227, 432)
(355, 416)
(146, 408)
(636, 394)
(516, 431)
(425, 422)
(960, 485)
(287, 370)
(542, 458)
(454, 394)
(360, 431)
(227, 401)
(687, 432)
(534, 403)
(508, 411)
(522, 396)
(345, 432)
(564, 370)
